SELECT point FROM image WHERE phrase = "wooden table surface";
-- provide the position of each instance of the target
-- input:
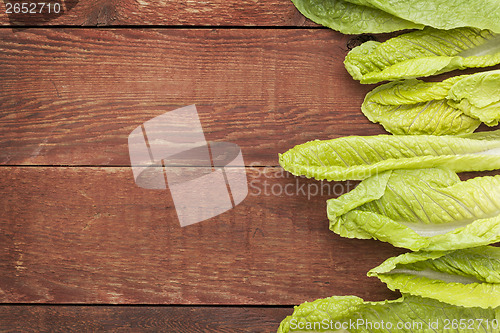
(84, 248)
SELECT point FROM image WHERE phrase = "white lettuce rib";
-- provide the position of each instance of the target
(434, 275)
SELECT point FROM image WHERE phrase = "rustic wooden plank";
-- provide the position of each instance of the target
(171, 13)
(71, 97)
(90, 235)
(190, 319)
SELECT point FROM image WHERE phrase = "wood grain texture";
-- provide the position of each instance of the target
(37, 318)
(72, 97)
(90, 235)
(171, 13)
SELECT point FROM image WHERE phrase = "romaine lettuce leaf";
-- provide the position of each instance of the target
(350, 18)
(406, 314)
(442, 14)
(454, 106)
(358, 157)
(478, 96)
(423, 209)
(423, 53)
(468, 277)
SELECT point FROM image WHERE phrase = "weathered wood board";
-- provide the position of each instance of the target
(90, 235)
(91, 13)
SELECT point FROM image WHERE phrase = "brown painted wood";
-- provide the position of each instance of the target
(191, 319)
(90, 235)
(171, 13)
(71, 97)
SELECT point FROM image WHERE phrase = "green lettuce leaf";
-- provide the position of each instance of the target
(478, 96)
(454, 106)
(424, 209)
(423, 53)
(358, 157)
(442, 14)
(407, 314)
(468, 277)
(350, 18)
(434, 116)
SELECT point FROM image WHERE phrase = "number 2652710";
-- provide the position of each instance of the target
(32, 8)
